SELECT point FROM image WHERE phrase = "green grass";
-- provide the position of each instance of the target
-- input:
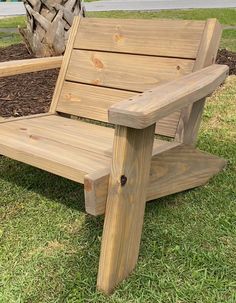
(228, 39)
(7, 39)
(12, 22)
(225, 16)
(50, 247)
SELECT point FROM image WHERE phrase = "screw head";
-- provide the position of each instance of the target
(123, 180)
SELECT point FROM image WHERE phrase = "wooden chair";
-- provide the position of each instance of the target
(146, 77)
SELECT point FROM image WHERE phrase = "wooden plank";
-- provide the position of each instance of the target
(125, 205)
(85, 136)
(94, 102)
(149, 107)
(190, 118)
(65, 62)
(75, 133)
(63, 144)
(16, 67)
(173, 169)
(167, 126)
(88, 101)
(96, 184)
(171, 38)
(12, 119)
(124, 71)
(52, 150)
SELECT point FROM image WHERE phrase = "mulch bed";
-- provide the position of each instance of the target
(32, 93)
(25, 94)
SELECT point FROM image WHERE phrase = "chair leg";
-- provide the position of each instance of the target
(129, 176)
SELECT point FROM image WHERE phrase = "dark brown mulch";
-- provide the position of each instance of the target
(25, 94)
(228, 58)
(32, 93)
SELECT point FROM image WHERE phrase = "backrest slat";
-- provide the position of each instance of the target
(113, 59)
(168, 38)
(92, 102)
(123, 71)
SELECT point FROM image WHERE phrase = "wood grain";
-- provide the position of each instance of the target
(59, 145)
(96, 184)
(190, 117)
(173, 169)
(124, 71)
(65, 62)
(94, 102)
(171, 38)
(125, 205)
(17, 67)
(147, 108)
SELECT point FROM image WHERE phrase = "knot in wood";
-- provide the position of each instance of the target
(123, 180)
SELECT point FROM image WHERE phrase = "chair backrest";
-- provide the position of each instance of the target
(108, 60)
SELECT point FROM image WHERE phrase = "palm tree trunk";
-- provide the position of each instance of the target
(48, 25)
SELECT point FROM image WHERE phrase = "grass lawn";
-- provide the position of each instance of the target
(7, 39)
(49, 248)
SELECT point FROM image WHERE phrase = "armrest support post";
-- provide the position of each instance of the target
(130, 169)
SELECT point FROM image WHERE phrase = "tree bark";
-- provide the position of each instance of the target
(48, 25)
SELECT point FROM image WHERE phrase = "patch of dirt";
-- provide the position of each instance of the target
(28, 94)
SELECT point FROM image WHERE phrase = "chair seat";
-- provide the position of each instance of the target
(66, 147)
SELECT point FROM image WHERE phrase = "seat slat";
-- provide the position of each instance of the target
(170, 38)
(123, 71)
(66, 147)
(20, 141)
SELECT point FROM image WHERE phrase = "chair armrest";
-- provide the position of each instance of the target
(147, 108)
(16, 67)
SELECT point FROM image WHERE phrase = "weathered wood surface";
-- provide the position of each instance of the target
(152, 105)
(125, 205)
(173, 169)
(141, 37)
(190, 117)
(16, 67)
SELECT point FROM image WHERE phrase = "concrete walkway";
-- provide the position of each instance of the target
(149, 5)
(17, 8)
(12, 9)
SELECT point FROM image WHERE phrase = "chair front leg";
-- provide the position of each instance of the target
(132, 152)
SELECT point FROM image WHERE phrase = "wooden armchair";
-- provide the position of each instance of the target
(146, 77)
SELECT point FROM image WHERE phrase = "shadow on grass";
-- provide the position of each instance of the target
(51, 186)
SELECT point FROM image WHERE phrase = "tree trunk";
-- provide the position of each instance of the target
(48, 25)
